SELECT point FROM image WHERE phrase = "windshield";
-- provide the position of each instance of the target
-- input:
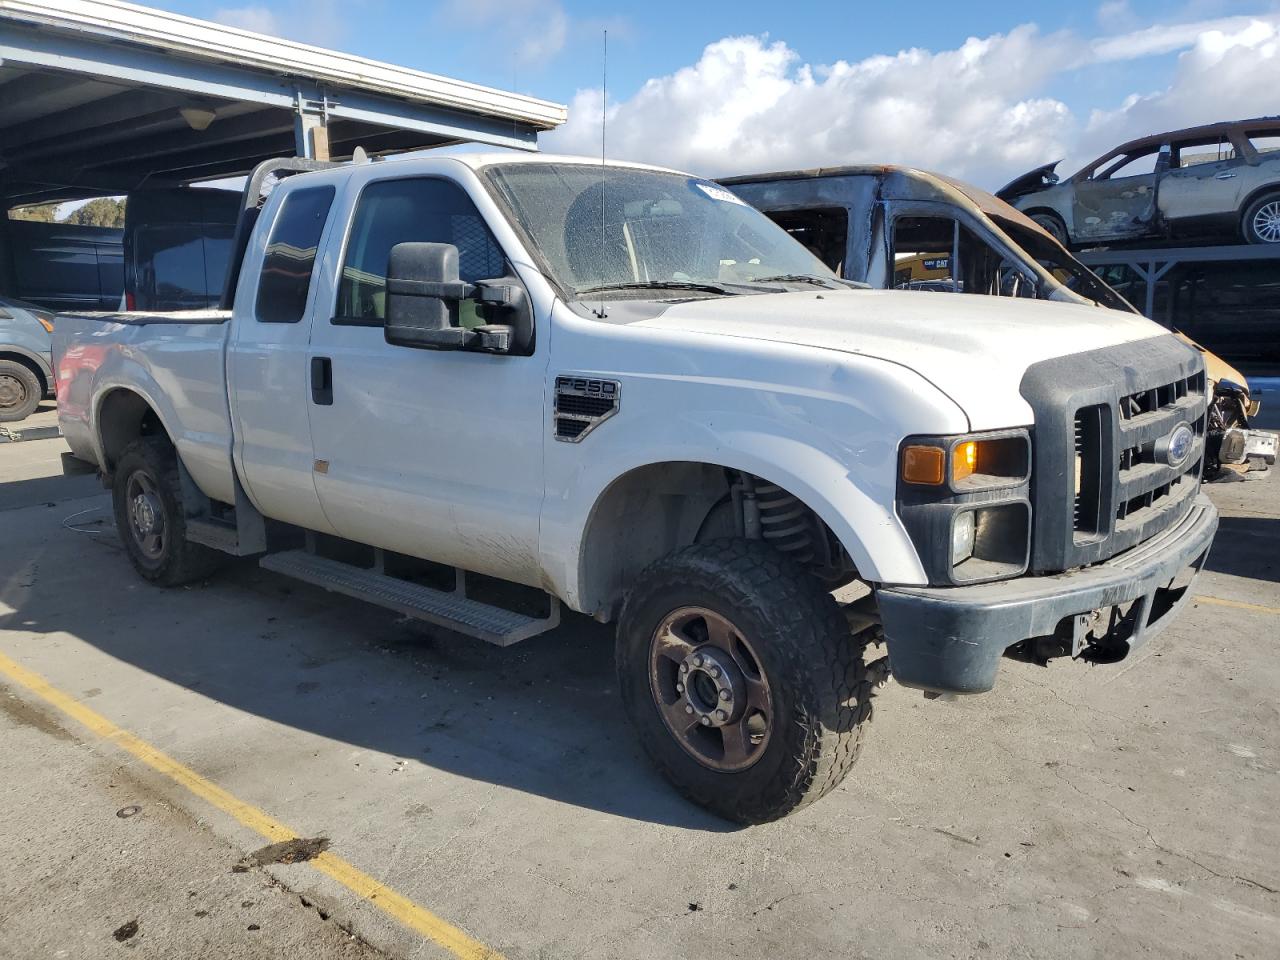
(602, 229)
(1063, 267)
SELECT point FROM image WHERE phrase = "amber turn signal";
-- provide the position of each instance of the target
(964, 461)
(922, 464)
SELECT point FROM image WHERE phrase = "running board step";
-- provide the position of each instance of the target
(448, 609)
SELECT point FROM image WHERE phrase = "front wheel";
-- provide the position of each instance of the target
(1052, 225)
(147, 497)
(741, 677)
(1261, 222)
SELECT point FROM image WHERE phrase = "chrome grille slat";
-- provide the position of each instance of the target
(1145, 477)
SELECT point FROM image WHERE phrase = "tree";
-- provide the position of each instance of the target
(43, 213)
(101, 212)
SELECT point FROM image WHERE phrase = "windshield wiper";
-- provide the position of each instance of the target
(814, 279)
(658, 285)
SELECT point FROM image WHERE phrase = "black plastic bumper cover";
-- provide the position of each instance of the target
(950, 639)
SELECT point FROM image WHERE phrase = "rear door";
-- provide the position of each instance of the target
(267, 356)
(1203, 182)
(435, 454)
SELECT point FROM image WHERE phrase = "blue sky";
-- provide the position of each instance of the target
(1037, 78)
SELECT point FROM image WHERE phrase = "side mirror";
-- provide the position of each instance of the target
(424, 293)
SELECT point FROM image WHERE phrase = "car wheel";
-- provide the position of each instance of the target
(742, 679)
(19, 391)
(1261, 221)
(1053, 225)
(147, 497)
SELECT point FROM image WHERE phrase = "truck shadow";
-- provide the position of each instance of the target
(543, 717)
(1247, 547)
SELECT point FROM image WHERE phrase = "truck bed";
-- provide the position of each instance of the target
(175, 361)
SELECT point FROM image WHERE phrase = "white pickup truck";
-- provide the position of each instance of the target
(475, 388)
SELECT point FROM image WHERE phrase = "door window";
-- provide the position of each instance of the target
(1137, 164)
(942, 255)
(1193, 153)
(421, 210)
(291, 254)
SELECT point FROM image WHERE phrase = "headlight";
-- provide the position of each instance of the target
(962, 527)
(965, 501)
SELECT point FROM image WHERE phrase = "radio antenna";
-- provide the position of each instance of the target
(604, 120)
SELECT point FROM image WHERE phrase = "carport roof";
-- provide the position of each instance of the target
(101, 97)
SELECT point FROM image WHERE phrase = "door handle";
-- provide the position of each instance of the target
(322, 381)
(1224, 176)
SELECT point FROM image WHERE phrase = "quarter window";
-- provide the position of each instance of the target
(291, 255)
(423, 210)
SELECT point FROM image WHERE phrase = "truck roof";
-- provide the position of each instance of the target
(480, 159)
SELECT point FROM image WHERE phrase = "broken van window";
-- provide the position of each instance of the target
(941, 255)
(823, 231)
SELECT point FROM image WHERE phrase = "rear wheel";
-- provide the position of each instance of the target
(1052, 224)
(147, 497)
(20, 391)
(741, 677)
(1261, 221)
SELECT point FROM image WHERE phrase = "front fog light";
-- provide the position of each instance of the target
(962, 537)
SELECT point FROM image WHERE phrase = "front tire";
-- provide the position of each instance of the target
(1261, 221)
(20, 391)
(1053, 225)
(741, 677)
(147, 498)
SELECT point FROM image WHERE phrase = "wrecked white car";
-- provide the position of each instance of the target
(1220, 180)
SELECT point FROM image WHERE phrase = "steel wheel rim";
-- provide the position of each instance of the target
(1266, 222)
(710, 689)
(145, 511)
(13, 393)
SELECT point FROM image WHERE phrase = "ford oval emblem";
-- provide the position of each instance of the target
(1179, 448)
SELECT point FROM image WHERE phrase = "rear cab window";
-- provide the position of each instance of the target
(291, 255)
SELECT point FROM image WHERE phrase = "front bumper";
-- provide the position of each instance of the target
(951, 639)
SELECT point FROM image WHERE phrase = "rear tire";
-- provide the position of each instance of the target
(785, 665)
(1261, 220)
(20, 391)
(1053, 224)
(147, 497)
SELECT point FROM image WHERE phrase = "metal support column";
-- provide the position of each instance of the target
(311, 127)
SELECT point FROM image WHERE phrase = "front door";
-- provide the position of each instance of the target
(435, 454)
(1118, 201)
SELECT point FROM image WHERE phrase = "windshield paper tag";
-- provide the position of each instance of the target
(716, 192)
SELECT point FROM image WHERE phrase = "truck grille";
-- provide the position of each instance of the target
(1104, 479)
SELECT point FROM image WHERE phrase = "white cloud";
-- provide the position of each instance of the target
(979, 112)
(255, 19)
(308, 21)
(535, 29)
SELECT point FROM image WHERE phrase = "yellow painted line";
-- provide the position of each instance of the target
(1238, 605)
(398, 907)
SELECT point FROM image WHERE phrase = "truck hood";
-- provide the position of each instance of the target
(974, 349)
